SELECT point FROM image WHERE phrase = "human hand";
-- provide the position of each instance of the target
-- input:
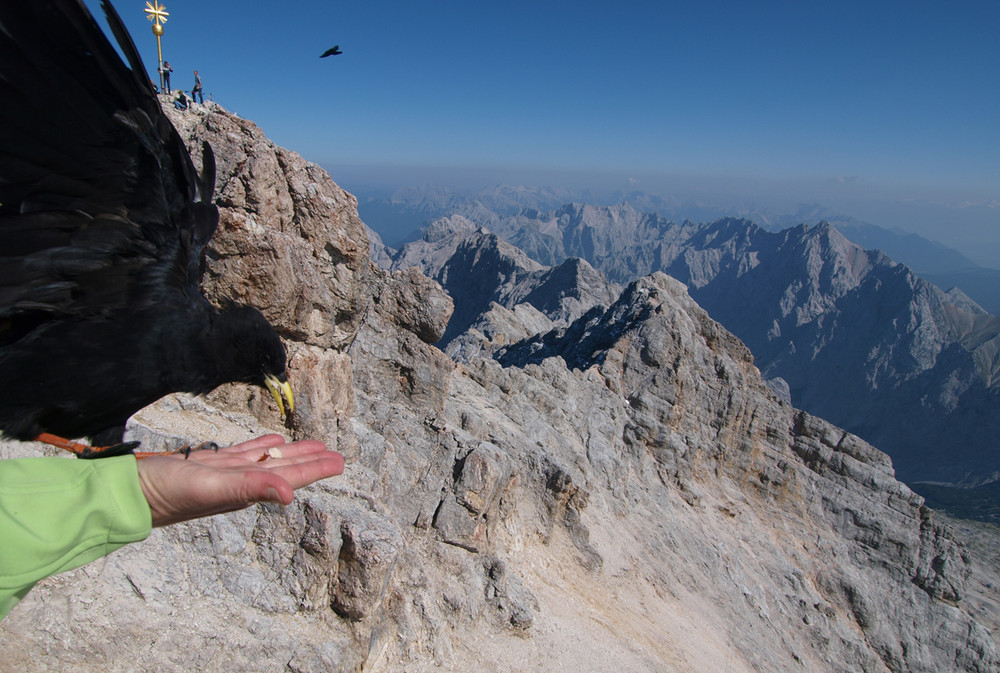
(213, 482)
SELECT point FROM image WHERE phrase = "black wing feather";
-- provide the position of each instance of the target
(99, 200)
(138, 70)
(103, 225)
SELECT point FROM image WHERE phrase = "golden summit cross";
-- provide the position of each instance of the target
(156, 13)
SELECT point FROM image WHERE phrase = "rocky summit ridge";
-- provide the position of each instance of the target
(620, 491)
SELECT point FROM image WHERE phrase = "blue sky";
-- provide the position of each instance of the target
(904, 94)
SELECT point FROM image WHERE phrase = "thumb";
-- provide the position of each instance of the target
(266, 486)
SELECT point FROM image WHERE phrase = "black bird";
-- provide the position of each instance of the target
(332, 51)
(103, 227)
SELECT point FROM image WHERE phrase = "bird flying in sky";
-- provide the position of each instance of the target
(103, 228)
(332, 51)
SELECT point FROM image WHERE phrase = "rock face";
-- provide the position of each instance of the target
(857, 338)
(619, 493)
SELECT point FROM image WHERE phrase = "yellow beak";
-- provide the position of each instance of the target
(281, 392)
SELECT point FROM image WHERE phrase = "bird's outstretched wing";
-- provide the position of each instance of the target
(100, 205)
(103, 224)
(332, 51)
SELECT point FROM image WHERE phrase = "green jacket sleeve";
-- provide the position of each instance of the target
(57, 514)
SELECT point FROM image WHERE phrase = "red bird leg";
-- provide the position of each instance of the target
(86, 451)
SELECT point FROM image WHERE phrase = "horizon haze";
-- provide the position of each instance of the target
(967, 226)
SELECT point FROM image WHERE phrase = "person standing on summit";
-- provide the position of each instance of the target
(196, 91)
(165, 71)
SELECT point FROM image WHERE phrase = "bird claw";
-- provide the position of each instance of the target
(185, 451)
(204, 446)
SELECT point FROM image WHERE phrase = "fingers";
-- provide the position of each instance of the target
(305, 470)
(260, 449)
(294, 450)
(255, 444)
(300, 463)
(283, 477)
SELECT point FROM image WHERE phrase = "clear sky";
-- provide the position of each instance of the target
(879, 91)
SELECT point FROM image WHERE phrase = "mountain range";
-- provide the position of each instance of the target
(399, 216)
(847, 333)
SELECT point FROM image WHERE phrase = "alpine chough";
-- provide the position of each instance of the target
(332, 51)
(103, 227)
